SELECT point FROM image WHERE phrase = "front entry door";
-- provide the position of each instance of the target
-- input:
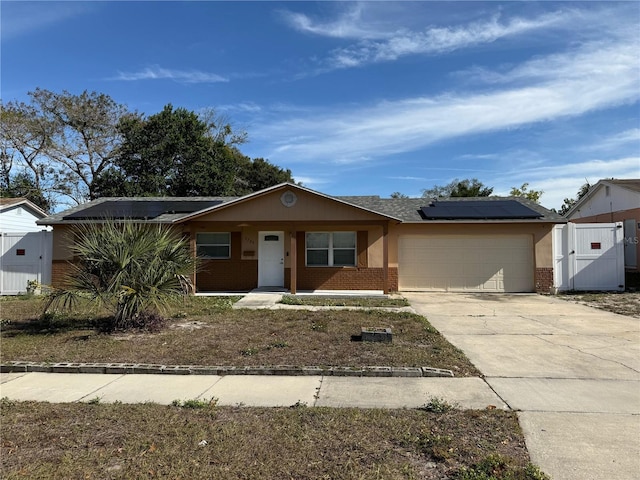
(271, 259)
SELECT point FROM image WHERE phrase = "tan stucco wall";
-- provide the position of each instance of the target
(541, 233)
(308, 207)
(61, 243)
(63, 240)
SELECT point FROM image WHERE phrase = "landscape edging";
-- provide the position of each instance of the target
(144, 368)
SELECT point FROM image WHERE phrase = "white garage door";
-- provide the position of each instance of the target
(488, 263)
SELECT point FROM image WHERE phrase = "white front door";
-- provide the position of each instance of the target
(271, 259)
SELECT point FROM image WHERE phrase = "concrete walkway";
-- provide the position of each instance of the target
(571, 371)
(249, 390)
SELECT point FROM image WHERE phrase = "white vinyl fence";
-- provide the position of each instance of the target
(24, 257)
(588, 256)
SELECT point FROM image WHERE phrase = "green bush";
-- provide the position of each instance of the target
(135, 270)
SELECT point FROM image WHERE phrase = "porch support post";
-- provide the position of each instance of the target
(293, 259)
(385, 258)
(194, 253)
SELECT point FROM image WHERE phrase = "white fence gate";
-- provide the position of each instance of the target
(588, 256)
(24, 257)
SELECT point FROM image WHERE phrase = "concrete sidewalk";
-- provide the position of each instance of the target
(249, 390)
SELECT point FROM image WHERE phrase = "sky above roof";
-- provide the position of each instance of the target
(364, 98)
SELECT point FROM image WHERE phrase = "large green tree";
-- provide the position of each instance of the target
(167, 154)
(459, 188)
(568, 203)
(525, 192)
(22, 185)
(257, 174)
(178, 153)
(60, 141)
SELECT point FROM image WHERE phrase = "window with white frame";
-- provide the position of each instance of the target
(331, 249)
(213, 245)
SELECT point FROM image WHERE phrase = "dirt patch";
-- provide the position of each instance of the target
(623, 303)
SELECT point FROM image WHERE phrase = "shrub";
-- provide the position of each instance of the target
(134, 269)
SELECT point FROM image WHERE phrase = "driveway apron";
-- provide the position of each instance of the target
(572, 372)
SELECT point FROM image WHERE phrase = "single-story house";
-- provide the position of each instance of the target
(295, 238)
(19, 215)
(613, 200)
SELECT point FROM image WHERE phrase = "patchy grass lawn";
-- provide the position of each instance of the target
(206, 331)
(78, 441)
(623, 303)
(344, 301)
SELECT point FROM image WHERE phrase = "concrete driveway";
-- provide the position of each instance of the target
(571, 371)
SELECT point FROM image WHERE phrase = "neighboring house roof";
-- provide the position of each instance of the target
(13, 202)
(182, 209)
(631, 184)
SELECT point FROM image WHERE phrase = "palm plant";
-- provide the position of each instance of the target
(130, 268)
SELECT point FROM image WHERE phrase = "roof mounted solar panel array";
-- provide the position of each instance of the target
(139, 209)
(478, 210)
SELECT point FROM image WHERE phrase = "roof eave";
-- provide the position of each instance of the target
(274, 188)
(32, 206)
(489, 220)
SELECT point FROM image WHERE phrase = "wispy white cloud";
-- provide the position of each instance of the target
(563, 181)
(348, 25)
(413, 179)
(376, 42)
(311, 181)
(591, 78)
(437, 40)
(22, 18)
(182, 76)
(628, 138)
(242, 107)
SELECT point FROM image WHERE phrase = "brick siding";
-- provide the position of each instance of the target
(59, 271)
(231, 275)
(544, 280)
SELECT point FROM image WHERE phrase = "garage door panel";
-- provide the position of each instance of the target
(489, 263)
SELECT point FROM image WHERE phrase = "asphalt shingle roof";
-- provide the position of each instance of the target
(631, 183)
(408, 209)
(403, 209)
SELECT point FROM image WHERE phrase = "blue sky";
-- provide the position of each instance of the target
(364, 98)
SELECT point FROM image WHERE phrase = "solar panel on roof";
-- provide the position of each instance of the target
(477, 209)
(140, 209)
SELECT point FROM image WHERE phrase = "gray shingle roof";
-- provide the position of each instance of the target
(629, 183)
(408, 209)
(164, 218)
(403, 209)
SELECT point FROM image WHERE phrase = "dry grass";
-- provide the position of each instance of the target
(623, 303)
(345, 301)
(205, 331)
(79, 441)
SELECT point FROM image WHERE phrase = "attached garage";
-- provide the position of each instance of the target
(464, 263)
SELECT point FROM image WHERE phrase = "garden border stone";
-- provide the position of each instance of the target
(284, 370)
